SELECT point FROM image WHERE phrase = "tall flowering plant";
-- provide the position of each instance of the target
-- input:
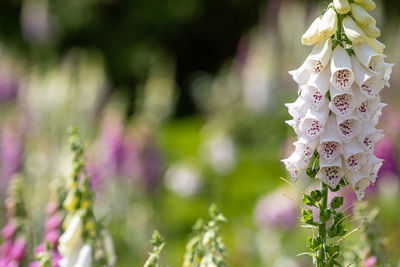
(84, 242)
(336, 114)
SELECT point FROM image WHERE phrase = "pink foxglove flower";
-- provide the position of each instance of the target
(339, 106)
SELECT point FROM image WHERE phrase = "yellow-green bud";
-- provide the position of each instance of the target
(342, 6)
(371, 30)
(311, 36)
(377, 46)
(352, 31)
(361, 15)
(367, 4)
(328, 24)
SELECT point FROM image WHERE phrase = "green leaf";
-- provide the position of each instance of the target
(308, 200)
(336, 202)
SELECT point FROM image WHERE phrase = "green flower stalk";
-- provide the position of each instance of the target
(205, 248)
(158, 244)
(84, 235)
(336, 114)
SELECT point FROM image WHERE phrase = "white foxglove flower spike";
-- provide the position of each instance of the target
(312, 36)
(342, 74)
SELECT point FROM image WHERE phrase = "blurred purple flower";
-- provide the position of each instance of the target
(10, 153)
(36, 22)
(276, 211)
(9, 230)
(18, 250)
(53, 222)
(8, 87)
(386, 149)
(370, 262)
(131, 157)
(6, 247)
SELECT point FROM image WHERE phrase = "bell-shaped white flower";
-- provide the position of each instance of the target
(367, 4)
(375, 164)
(313, 97)
(109, 247)
(368, 57)
(301, 75)
(378, 114)
(70, 259)
(330, 142)
(320, 56)
(370, 83)
(72, 236)
(342, 74)
(295, 165)
(342, 104)
(377, 46)
(342, 6)
(387, 71)
(298, 109)
(366, 108)
(85, 256)
(305, 148)
(328, 23)
(361, 15)
(353, 31)
(320, 80)
(313, 122)
(330, 172)
(371, 30)
(354, 156)
(359, 181)
(348, 128)
(369, 137)
(312, 36)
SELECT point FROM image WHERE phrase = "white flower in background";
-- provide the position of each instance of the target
(220, 152)
(71, 246)
(339, 106)
(183, 179)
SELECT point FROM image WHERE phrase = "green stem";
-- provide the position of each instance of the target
(322, 226)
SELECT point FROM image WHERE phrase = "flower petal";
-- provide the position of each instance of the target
(354, 156)
(320, 56)
(330, 172)
(342, 74)
(342, 104)
(295, 165)
(368, 57)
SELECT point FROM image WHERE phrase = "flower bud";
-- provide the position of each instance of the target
(377, 46)
(352, 31)
(311, 36)
(328, 24)
(367, 4)
(342, 6)
(371, 30)
(361, 15)
(72, 235)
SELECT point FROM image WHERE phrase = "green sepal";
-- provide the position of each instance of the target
(336, 202)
